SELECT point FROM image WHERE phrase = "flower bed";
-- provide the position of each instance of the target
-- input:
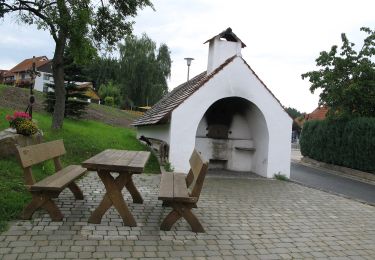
(22, 122)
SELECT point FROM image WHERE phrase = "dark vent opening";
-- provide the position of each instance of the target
(219, 116)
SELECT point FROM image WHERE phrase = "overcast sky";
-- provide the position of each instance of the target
(283, 38)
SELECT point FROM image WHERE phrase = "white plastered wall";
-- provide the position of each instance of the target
(160, 132)
(235, 80)
(40, 81)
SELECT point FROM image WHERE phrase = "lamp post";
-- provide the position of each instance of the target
(188, 62)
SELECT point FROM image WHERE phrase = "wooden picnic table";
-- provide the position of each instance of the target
(126, 163)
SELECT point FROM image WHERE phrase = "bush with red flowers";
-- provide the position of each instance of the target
(22, 122)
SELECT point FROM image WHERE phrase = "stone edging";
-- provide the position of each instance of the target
(332, 192)
(340, 170)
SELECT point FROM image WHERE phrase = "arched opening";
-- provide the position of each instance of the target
(233, 135)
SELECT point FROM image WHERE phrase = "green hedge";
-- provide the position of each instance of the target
(346, 143)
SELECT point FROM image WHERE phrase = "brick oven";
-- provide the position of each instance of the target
(226, 112)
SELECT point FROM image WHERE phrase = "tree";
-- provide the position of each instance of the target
(347, 78)
(75, 98)
(102, 71)
(110, 90)
(293, 113)
(144, 70)
(79, 24)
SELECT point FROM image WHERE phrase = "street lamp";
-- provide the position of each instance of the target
(188, 62)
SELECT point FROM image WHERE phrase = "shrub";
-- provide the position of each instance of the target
(280, 177)
(346, 143)
(109, 101)
(168, 167)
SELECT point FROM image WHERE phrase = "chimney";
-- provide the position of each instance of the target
(222, 47)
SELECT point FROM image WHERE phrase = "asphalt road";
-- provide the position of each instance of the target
(332, 183)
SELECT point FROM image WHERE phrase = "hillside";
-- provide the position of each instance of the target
(17, 99)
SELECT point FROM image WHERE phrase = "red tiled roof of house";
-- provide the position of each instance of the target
(8, 73)
(318, 114)
(27, 64)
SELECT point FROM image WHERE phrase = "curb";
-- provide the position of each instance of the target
(332, 192)
(337, 170)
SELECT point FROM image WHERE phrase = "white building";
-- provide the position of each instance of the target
(19, 75)
(45, 77)
(227, 113)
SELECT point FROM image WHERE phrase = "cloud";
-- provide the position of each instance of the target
(19, 42)
(283, 37)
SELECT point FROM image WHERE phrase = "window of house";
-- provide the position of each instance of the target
(45, 88)
(46, 76)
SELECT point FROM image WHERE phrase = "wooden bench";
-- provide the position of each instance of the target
(50, 187)
(181, 192)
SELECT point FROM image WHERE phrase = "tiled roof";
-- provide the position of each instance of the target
(161, 111)
(27, 64)
(90, 92)
(318, 114)
(8, 74)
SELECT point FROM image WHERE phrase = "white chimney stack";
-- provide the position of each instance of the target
(222, 47)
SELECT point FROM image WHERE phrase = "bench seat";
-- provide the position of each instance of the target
(173, 188)
(59, 180)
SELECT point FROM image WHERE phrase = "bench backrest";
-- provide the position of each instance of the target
(197, 173)
(34, 154)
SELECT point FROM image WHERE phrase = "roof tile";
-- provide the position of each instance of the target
(27, 64)
(161, 111)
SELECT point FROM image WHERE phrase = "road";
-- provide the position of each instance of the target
(319, 179)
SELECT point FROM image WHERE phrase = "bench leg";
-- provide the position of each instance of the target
(45, 202)
(169, 220)
(53, 210)
(193, 221)
(73, 187)
(181, 210)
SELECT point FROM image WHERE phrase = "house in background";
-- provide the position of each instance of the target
(227, 113)
(18, 76)
(2, 72)
(318, 114)
(45, 79)
(92, 95)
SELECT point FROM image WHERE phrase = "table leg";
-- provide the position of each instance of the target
(113, 197)
(137, 198)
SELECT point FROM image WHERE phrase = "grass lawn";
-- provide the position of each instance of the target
(82, 140)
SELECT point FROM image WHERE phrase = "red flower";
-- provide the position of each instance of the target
(18, 114)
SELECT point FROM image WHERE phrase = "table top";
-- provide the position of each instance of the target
(118, 161)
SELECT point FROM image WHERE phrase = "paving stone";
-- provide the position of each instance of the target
(243, 219)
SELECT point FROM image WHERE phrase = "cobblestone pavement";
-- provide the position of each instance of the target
(251, 218)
